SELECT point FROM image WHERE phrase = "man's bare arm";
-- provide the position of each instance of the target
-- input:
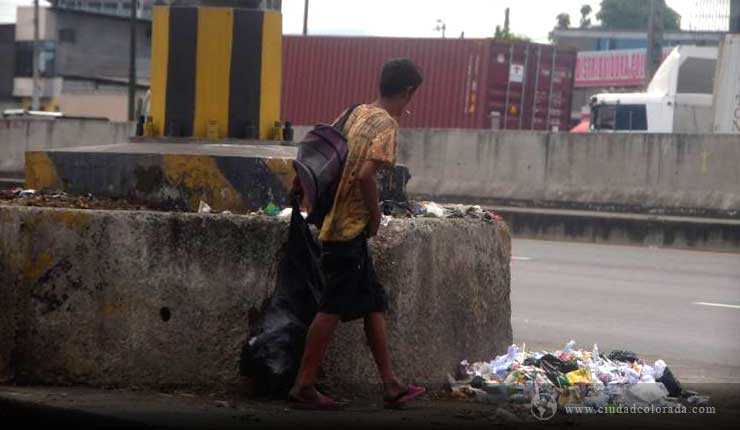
(370, 194)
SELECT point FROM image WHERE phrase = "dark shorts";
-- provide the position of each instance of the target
(351, 288)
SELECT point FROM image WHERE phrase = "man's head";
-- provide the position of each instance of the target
(398, 81)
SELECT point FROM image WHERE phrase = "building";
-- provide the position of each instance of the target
(7, 66)
(106, 7)
(84, 60)
(614, 60)
(596, 39)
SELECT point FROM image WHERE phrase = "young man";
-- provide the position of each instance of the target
(351, 289)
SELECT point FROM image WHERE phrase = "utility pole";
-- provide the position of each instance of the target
(132, 65)
(305, 18)
(506, 21)
(35, 63)
(441, 26)
(654, 53)
(735, 16)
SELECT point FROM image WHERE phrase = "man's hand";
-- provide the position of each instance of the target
(370, 194)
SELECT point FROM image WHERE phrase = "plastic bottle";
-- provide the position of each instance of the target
(595, 354)
(660, 367)
(502, 363)
(288, 132)
(569, 346)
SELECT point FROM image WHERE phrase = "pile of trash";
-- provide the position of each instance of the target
(571, 377)
(414, 209)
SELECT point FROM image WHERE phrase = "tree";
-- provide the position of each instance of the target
(633, 15)
(563, 21)
(506, 34)
(585, 12)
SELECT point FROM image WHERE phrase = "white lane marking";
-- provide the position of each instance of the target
(521, 258)
(717, 305)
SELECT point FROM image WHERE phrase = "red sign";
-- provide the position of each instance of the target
(611, 68)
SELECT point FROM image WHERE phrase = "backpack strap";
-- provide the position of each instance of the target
(342, 121)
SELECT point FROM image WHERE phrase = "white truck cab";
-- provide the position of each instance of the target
(678, 99)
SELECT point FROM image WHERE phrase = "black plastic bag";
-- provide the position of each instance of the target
(272, 355)
(671, 383)
(555, 368)
(553, 362)
(623, 356)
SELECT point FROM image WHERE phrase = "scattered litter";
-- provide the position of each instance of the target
(204, 208)
(287, 212)
(271, 210)
(385, 220)
(434, 210)
(570, 376)
(618, 355)
(645, 394)
(698, 400)
(58, 199)
(413, 209)
(226, 213)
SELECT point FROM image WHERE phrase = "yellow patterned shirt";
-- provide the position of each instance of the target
(371, 135)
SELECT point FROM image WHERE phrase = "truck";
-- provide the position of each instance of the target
(727, 87)
(679, 98)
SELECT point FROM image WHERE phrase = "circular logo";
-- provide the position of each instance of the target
(543, 406)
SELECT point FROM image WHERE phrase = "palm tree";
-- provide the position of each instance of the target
(585, 12)
(563, 21)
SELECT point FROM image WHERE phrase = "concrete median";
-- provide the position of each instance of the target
(152, 299)
(679, 174)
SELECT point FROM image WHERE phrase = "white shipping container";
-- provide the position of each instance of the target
(727, 87)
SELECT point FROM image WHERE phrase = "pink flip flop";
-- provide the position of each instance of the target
(322, 403)
(398, 402)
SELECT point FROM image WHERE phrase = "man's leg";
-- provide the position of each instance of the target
(320, 334)
(378, 341)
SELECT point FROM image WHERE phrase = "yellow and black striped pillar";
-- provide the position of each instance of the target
(215, 71)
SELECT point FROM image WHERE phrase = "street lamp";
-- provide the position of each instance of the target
(441, 26)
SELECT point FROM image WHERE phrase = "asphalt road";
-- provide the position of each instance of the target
(636, 298)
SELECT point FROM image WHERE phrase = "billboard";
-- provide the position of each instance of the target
(618, 68)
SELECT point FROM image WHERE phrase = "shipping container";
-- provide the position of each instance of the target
(468, 83)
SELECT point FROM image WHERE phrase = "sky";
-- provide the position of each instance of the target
(418, 18)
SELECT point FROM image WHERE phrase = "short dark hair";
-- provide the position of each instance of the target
(399, 74)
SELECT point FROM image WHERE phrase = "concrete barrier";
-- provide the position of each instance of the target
(683, 232)
(681, 174)
(179, 174)
(151, 299)
(18, 135)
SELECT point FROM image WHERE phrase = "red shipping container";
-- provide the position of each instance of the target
(465, 80)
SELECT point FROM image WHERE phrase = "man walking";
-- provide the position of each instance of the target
(352, 290)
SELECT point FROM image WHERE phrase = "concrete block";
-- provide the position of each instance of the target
(177, 176)
(18, 135)
(163, 300)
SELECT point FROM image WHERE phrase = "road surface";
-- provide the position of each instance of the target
(681, 306)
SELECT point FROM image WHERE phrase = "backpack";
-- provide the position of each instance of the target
(319, 166)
